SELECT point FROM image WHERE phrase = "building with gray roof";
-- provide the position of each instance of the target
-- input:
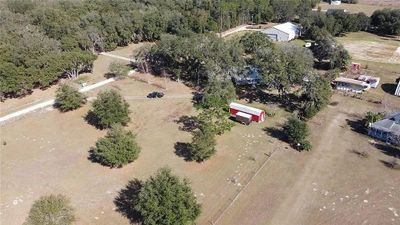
(387, 129)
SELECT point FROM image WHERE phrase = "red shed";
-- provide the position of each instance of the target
(257, 115)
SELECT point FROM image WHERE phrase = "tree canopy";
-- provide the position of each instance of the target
(117, 148)
(297, 132)
(108, 109)
(69, 98)
(317, 95)
(165, 199)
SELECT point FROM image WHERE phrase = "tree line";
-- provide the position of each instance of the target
(43, 42)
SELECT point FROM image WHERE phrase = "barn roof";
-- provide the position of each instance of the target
(350, 81)
(287, 27)
(245, 108)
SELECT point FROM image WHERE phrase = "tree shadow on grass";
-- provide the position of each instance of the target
(188, 123)
(92, 119)
(275, 133)
(388, 150)
(183, 150)
(389, 88)
(289, 102)
(392, 164)
(126, 200)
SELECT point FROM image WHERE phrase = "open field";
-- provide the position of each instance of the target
(330, 185)
(47, 153)
(367, 6)
(51, 157)
(386, 3)
(373, 50)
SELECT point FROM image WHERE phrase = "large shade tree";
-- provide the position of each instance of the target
(165, 199)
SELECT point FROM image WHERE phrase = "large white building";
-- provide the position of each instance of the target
(397, 92)
(283, 32)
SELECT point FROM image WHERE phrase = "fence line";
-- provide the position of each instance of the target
(241, 190)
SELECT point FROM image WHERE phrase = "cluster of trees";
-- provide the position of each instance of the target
(386, 21)
(31, 59)
(336, 23)
(281, 66)
(213, 119)
(42, 42)
(329, 53)
(196, 58)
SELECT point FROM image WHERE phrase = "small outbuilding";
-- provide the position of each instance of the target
(243, 113)
(283, 32)
(351, 85)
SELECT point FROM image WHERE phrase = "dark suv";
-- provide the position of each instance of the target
(155, 94)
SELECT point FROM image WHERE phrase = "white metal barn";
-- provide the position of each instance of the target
(283, 32)
(397, 92)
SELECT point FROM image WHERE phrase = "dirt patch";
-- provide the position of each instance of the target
(373, 51)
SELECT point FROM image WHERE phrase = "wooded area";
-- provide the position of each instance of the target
(42, 42)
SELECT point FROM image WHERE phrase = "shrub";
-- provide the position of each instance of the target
(297, 132)
(371, 117)
(118, 70)
(69, 98)
(166, 199)
(117, 148)
(51, 210)
(108, 109)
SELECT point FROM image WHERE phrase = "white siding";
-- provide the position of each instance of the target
(277, 35)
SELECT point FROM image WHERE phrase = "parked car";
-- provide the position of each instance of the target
(155, 94)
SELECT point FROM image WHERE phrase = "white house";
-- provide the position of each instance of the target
(283, 32)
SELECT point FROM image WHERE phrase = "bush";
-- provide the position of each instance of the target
(297, 132)
(117, 148)
(203, 144)
(371, 117)
(51, 210)
(166, 199)
(108, 109)
(118, 70)
(69, 98)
